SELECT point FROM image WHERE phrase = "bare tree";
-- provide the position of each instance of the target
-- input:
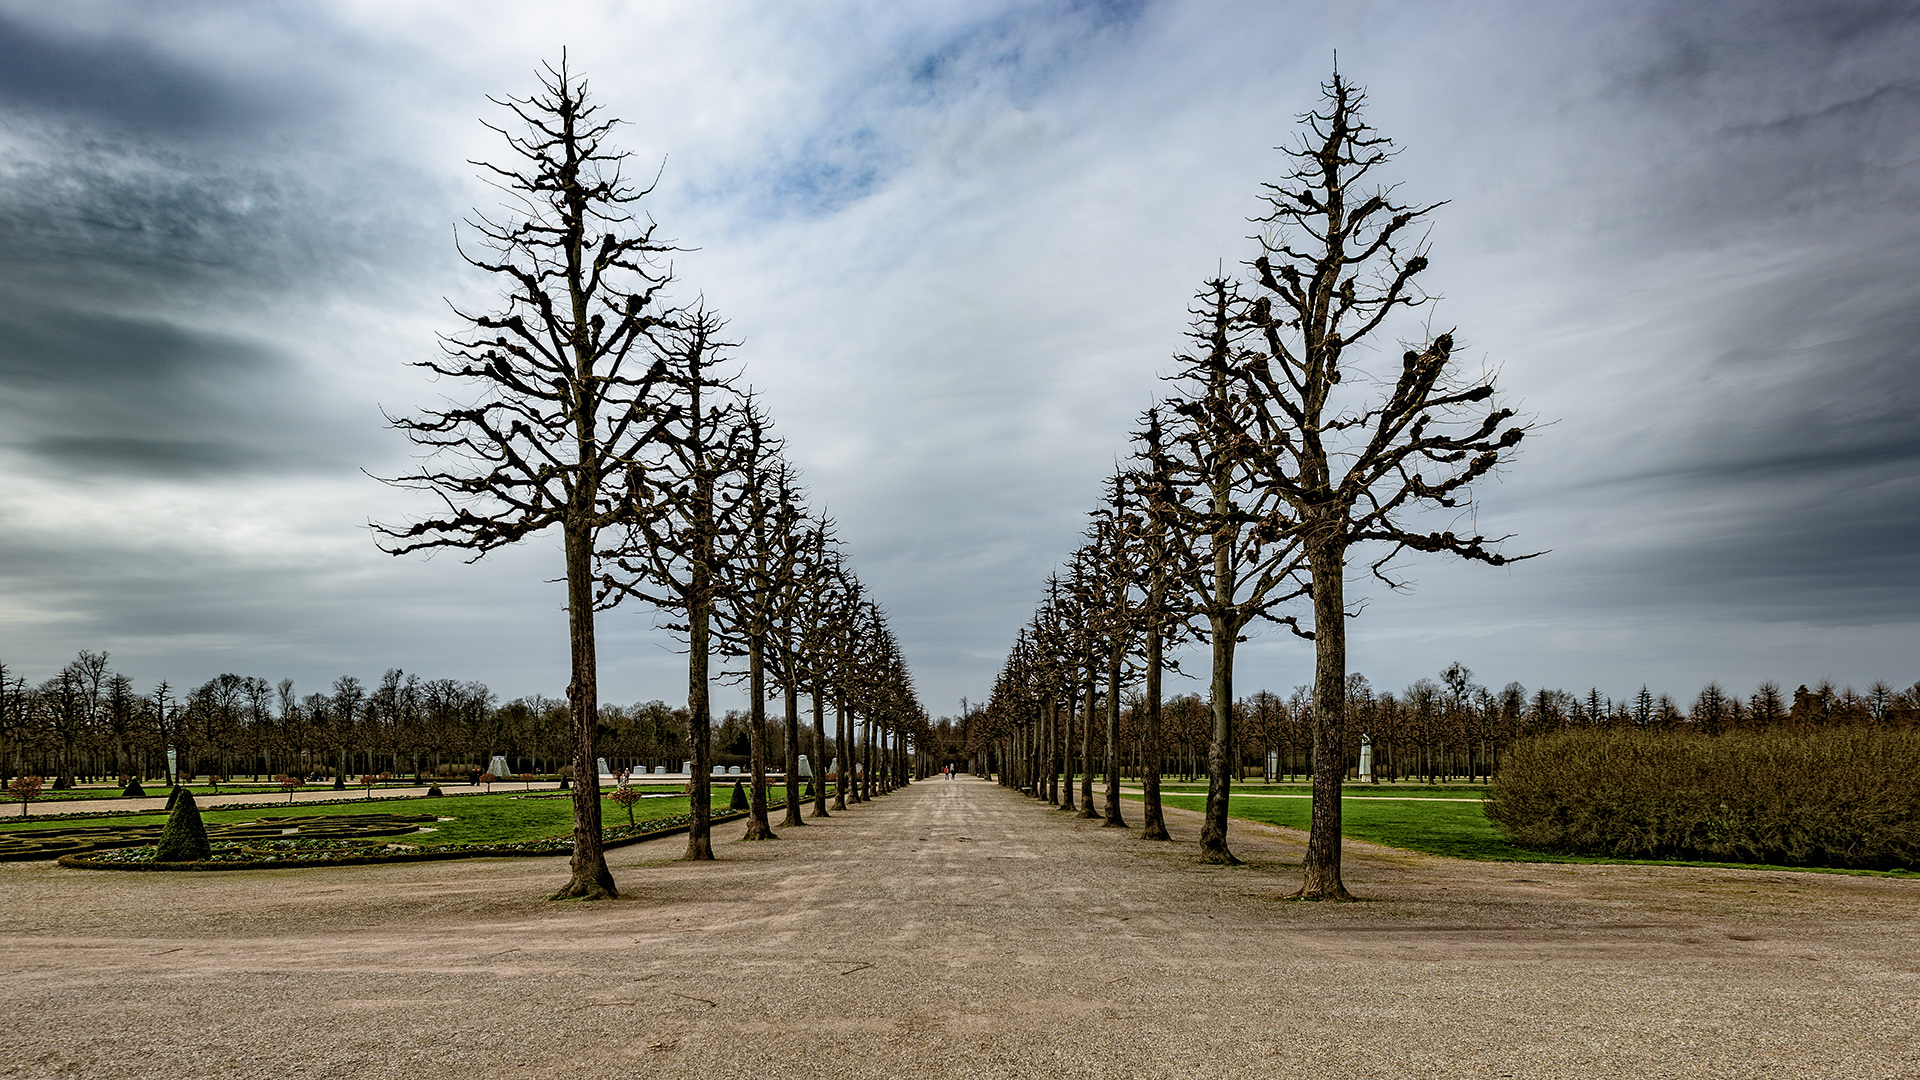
(563, 373)
(1352, 468)
(673, 547)
(1230, 547)
(758, 585)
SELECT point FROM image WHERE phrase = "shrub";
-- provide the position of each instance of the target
(185, 837)
(626, 797)
(739, 801)
(434, 792)
(133, 790)
(26, 789)
(1839, 797)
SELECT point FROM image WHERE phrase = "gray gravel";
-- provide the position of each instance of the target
(955, 929)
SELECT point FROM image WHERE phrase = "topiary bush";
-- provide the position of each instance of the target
(1838, 797)
(133, 790)
(434, 792)
(185, 837)
(739, 801)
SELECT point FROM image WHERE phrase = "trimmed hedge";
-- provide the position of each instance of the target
(185, 837)
(1839, 797)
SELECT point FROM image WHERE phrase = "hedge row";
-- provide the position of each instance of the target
(1847, 798)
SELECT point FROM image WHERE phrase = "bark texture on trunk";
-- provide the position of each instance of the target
(793, 755)
(1114, 657)
(1066, 750)
(1087, 809)
(1328, 562)
(699, 728)
(1213, 831)
(590, 879)
(819, 757)
(1154, 821)
(758, 828)
(843, 764)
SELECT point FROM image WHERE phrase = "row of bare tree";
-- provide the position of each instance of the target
(599, 405)
(1278, 457)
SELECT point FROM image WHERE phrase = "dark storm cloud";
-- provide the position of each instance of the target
(99, 394)
(118, 81)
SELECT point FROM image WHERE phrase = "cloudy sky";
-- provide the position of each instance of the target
(958, 241)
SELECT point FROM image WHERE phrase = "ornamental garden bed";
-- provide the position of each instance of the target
(277, 849)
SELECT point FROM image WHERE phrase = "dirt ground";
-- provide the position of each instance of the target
(956, 929)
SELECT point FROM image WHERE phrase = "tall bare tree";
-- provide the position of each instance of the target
(1229, 546)
(680, 527)
(1353, 465)
(561, 375)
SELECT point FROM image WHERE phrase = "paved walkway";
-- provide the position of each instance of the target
(956, 929)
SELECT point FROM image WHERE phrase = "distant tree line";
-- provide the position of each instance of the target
(1436, 729)
(89, 722)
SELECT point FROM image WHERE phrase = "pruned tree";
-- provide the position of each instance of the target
(1229, 547)
(562, 377)
(1354, 465)
(757, 584)
(672, 548)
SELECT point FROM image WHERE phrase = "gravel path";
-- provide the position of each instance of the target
(955, 929)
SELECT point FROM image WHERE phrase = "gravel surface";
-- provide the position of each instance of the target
(956, 929)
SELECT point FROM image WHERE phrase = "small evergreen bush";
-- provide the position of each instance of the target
(185, 837)
(133, 790)
(434, 792)
(739, 801)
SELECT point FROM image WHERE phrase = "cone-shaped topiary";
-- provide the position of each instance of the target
(133, 790)
(434, 792)
(173, 796)
(739, 796)
(185, 837)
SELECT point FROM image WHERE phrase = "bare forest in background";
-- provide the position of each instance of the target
(89, 722)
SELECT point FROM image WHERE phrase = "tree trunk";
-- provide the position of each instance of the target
(1114, 658)
(1066, 752)
(591, 880)
(1050, 752)
(793, 752)
(758, 828)
(1328, 563)
(1213, 831)
(819, 755)
(699, 723)
(1087, 809)
(843, 762)
(866, 763)
(1152, 818)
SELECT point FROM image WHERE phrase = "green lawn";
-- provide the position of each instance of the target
(1417, 822)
